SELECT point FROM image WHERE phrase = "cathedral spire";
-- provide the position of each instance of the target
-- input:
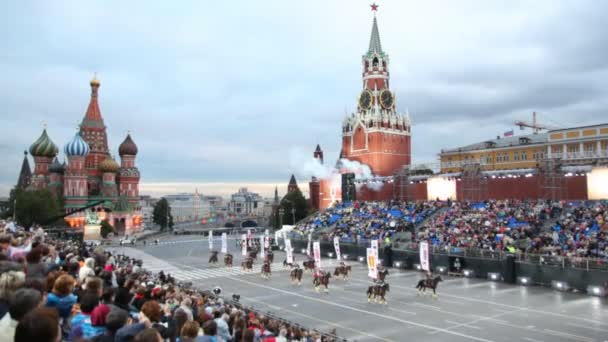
(375, 47)
(93, 117)
(276, 195)
(25, 174)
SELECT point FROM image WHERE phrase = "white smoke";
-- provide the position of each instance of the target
(304, 165)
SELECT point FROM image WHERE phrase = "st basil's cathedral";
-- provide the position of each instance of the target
(91, 177)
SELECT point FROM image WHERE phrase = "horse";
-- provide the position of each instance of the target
(309, 265)
(323, 279)
(378, 291)
(424, 284)
(343, 270)
(382, 274)
(296, 275)
(228, 260)
(266, 273)
(247, 264)
(253, 254)
(213, 257)
(270, 257)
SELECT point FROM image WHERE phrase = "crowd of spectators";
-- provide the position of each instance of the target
(53, 290)
(557, 228)
(361, 221)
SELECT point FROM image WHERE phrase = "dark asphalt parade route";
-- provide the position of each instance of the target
(466, 309)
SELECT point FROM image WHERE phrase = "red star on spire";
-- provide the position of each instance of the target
(374, 7)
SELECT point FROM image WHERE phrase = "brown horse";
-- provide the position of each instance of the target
(377, 291)
(296, 275)
(228, 260)
(309, 265)
(424, 284)
(382, 274)
(247, 264)
(266, 273)
(323, 279)
(343, 270)
(253, 254)
(213, 257)
(270, 257)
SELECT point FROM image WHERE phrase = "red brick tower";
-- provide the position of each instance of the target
(376, 134)
(128, 173)
(93, 131)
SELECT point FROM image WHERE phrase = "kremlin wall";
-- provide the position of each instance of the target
(564, 163)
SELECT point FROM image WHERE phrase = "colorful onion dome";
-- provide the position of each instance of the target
(76, 147)
(44, 147)
(108, 165)
(127, 147)
(56, 166)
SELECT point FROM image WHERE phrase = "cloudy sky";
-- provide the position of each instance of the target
(220, 94)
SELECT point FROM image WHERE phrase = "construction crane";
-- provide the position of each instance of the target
(534, 125)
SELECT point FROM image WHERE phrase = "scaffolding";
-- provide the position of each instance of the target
(552, 180)
(473, 185)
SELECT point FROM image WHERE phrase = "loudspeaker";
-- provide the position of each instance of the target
(348, 187)
(508, 269)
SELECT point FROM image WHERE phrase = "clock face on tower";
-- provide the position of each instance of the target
(386, 99)
(365, 100)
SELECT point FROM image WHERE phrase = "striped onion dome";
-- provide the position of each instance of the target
(76, 147)
(108, 165)
(44, 147)
(56, 166)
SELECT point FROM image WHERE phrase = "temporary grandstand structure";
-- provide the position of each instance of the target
(552, 180)
(473, 184)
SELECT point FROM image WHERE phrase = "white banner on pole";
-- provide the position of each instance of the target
(424, 256)
(266, 232)
(266, 241)
(210, 237)
(277, 235)
(244, 244)
(224, 243)
(308, 247)
(289, 251)
(375, 246)
(337, 247)
(249, 238)
(262, 245)
(371, 263)
(316, 247)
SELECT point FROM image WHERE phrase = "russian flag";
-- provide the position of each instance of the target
(509, 133)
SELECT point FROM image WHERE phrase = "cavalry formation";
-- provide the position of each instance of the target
(376, 292)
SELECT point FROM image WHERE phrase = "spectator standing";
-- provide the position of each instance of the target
(22, 302)
(62, 298)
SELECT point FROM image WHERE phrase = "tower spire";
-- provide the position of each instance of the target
(374, 41)
(25, 174)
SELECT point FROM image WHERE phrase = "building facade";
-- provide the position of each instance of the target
(247, 203)
(570, 146)
(91, 177)
(188, 207)
(376, 134)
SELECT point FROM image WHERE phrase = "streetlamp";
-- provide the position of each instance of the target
(281, 212)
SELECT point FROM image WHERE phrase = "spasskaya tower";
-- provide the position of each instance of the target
(376, 134)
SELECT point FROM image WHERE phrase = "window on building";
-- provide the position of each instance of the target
(523, 155)
(516, 155)
(572, 148)
(605, 145)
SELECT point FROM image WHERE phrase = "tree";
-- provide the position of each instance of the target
(296, 200)
(162, 214)
(106, 228)
(36, 207)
